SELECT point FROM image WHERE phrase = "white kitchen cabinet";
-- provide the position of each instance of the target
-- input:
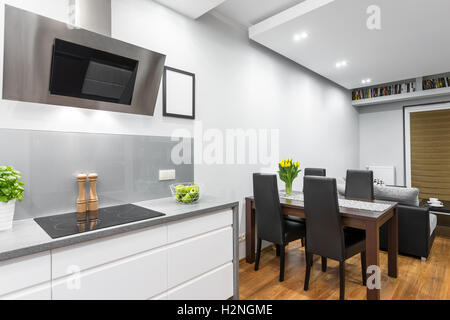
(138, 277)
(191, 258)
(187, 259)
(26, 277)
(214, 285)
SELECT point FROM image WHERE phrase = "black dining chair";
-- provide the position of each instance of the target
(308, 172)
(359, 184)
(319, 172)
(270, 222)
(326, 235)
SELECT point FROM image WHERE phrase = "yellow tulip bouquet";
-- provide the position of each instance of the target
(288, 171)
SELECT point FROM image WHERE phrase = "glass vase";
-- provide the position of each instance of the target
(288, 187)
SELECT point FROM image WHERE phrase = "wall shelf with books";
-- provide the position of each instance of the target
(436, 81)
(423, 87)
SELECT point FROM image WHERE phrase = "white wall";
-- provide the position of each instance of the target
(239, 85)
(90, 18)
(242, 85)
(381, 134)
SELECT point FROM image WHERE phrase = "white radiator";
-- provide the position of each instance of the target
(384, 173)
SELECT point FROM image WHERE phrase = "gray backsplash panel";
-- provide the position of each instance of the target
(128, 168)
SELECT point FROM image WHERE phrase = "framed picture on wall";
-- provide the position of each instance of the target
(178, 93)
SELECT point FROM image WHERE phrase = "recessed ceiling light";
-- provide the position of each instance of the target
(300, 36)
(341, 64)
(364, 81)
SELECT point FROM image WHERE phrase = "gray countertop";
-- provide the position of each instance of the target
(27, 237)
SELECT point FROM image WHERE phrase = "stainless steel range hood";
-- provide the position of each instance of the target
(50, 62)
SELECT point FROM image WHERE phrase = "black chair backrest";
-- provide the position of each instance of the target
(325, 235)
(315, 172)
(269, 216)
(359, 184)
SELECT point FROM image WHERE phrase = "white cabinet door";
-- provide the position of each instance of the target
(97, 252)
(196, 226)
(138, 277)
(193, 257)
(26, 272)
(214, 285)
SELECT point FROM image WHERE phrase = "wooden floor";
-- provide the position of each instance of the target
(416, 279)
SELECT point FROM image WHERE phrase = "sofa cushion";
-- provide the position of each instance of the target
(340, 185)
(433, 223)
(405, 196)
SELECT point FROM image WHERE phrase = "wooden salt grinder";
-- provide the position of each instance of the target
(93, 198)
(81, 200)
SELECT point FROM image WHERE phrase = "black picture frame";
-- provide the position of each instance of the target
(165, 92)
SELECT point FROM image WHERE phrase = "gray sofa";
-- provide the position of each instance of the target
(416, 225)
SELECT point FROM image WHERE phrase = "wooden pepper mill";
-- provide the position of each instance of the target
(93, 198)
(81, 200)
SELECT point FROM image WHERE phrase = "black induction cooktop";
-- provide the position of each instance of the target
(68, 224)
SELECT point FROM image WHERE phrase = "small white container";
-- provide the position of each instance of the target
(7, 214)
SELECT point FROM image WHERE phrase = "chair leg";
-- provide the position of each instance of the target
(308, 270)
(282, 257)
(303, 242)
(342, 279)
(278, 249)
(258, 253)
(310, 262)
(324, 264)
(364, 267)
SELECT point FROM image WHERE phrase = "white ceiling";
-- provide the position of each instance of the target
(414, 39)
(191, 8)
(250, 12)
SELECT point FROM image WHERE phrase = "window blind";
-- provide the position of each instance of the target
(430, 153)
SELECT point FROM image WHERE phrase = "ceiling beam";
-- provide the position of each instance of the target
(286, 16)
(193, 9)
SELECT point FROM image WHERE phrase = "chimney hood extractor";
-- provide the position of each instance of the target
(50, 62)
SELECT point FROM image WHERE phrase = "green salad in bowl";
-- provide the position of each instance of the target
(185, 192)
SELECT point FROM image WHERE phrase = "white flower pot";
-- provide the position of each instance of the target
(7, 214)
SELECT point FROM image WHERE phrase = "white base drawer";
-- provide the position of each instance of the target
(95, 253)
(160, 297)
(21, 273)
(139, 277)
(39, 292)
(214, 285)
(196, 226)
(191, 258)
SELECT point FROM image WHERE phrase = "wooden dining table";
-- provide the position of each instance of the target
(367, 220)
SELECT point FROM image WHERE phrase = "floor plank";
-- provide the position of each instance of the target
(416, 279)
